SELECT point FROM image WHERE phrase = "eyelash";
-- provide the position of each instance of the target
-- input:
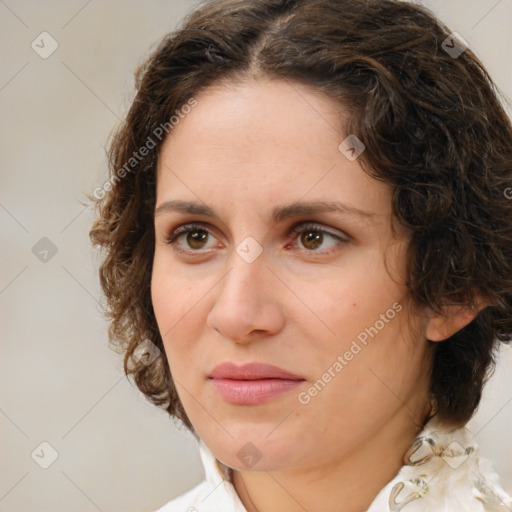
(170, 239)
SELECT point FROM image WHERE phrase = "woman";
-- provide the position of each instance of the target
(309, 248)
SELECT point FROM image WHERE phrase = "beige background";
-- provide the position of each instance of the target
(59, 382)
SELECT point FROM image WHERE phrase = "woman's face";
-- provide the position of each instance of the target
(267, 274)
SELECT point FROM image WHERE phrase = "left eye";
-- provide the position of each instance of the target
(311, 237)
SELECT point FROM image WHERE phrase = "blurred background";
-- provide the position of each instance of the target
(76, 435)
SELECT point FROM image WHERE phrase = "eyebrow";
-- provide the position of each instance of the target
(278, 214)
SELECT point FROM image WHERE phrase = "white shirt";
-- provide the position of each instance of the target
(443, 473)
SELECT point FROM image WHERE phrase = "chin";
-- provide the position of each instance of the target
(256, 451)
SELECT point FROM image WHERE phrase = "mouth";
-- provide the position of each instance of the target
(252, 383)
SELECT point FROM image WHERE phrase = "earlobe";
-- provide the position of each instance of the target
(454, 318)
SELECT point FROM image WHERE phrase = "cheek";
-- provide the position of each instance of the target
(360, 386)
(358, 297)
(166, 307)
(172, 292)
(360, 319)
(173, 298)
(180, 302)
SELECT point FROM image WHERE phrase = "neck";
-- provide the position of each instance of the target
(353, 480)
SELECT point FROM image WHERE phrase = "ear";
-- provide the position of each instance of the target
(453, 319)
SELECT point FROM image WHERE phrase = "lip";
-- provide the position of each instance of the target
(252, 383)
(251, 371)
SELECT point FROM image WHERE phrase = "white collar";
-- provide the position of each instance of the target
(443, 471)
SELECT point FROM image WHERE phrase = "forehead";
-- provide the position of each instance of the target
(276, 115)
(270, 140)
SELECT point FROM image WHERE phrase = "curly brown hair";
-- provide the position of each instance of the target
(433, 127)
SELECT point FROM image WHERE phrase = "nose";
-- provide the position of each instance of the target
(247, 305)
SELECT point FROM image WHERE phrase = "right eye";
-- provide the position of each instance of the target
(195, 236)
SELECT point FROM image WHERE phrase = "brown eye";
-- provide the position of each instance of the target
(311, 239)
(311, 236)
(196, 238)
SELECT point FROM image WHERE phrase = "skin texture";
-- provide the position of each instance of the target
(243, 150)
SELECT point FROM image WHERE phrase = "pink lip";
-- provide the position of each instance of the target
(252, 383)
